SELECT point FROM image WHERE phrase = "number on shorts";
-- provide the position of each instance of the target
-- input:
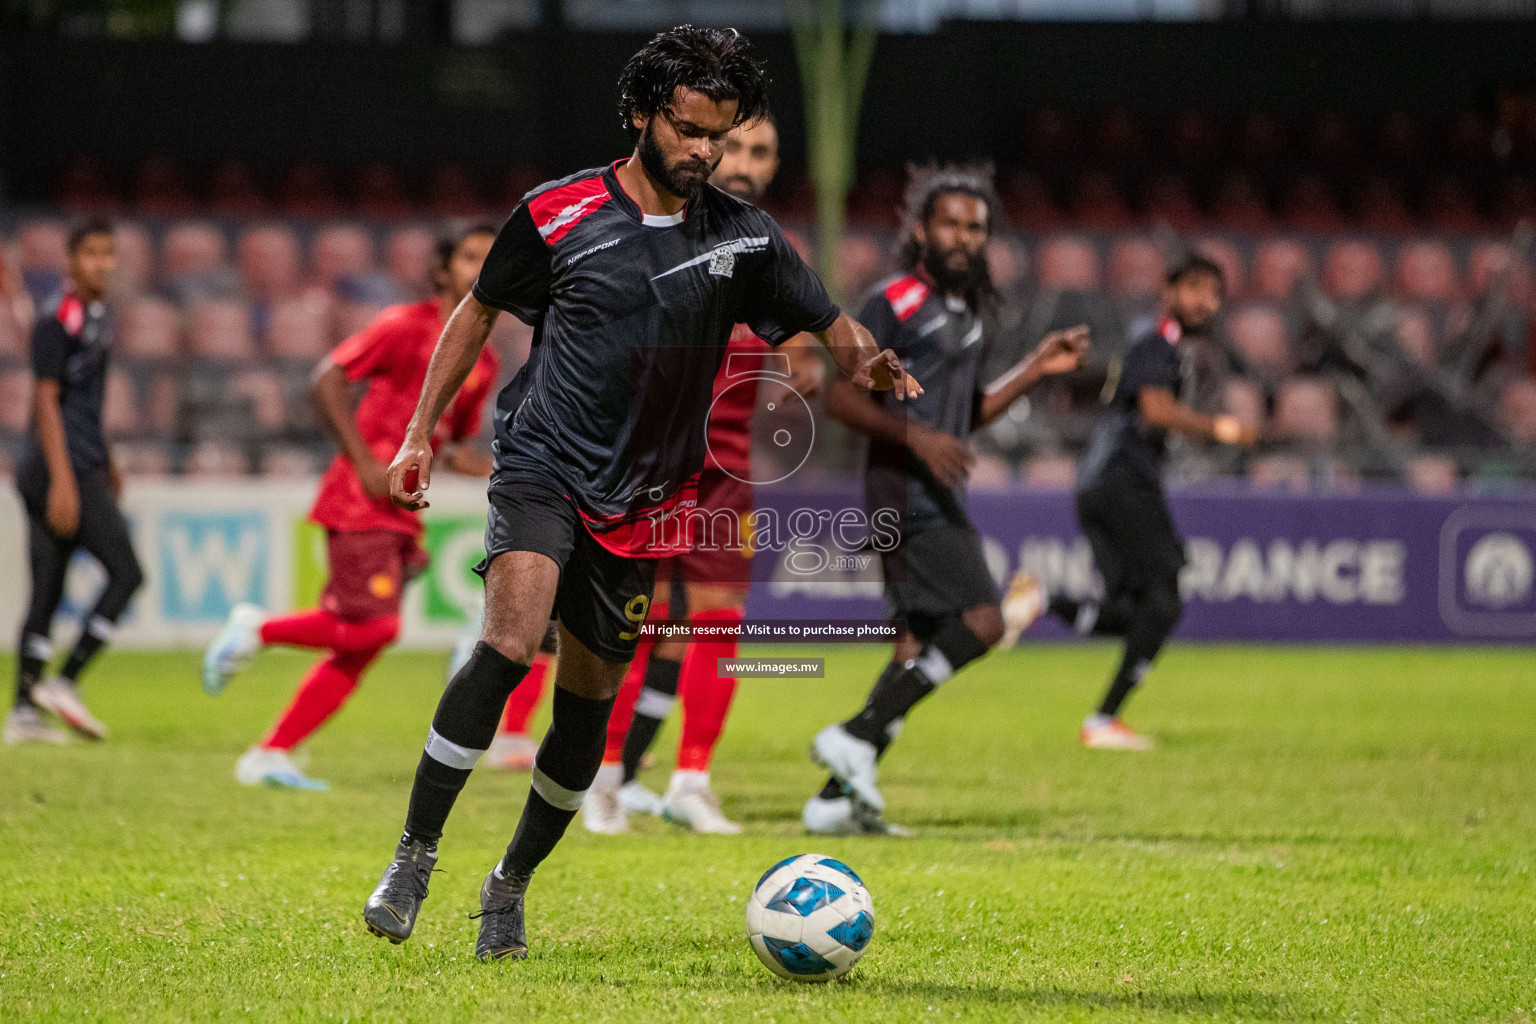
(635, 612)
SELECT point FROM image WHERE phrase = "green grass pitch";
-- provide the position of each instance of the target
(1323, 835)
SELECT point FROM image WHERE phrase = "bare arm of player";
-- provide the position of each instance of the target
(63, 492)
(807, 372)
(1058, 352)
(329, 394)
(462, 458)
(865, 363)
(945, 455)
(1160, 409)
(411, 473)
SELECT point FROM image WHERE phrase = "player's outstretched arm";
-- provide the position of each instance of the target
(946, 456)
(868, 366)
(1160, 409)
(1059, 352)
(330, 394)
(411, 473)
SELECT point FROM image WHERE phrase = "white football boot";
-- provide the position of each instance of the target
(601, 811)
(637, 798)
(237, 640)
(1101, 732)
(264, 766)
(851, 761)
(62, 697)
(691, 803)
(27, 725)
(833, 817)
(1022, 605)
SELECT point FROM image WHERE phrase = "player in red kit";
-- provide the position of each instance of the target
(714, 577)
(372, 544)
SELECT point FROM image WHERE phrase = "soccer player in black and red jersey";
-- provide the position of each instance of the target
(936, 580)
(70, 488)
(633, 277)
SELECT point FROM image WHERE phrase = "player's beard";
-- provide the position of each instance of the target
(683, 180)
(969, 281)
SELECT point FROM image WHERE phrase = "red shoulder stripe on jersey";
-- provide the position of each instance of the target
(906, 295)
(71, 314)
(560, 209)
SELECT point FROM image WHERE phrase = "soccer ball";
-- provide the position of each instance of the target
(810, 918)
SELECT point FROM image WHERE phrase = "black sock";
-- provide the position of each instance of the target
(1065, 609)
(651, 708)
(832, 789)
(563, 771)
(29, 672)
(462, 729)
(93, 638)
(893, 695)
(1156, 613)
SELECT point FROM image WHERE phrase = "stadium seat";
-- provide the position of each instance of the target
(409, 256)
(1168, 200)
(1028, 202)
(300, 328)
(1007, 262)
(264, 390)
(1285, 472)
(341, 250)
(216, 460)
(1352, 270)
(875, 201)
(1136, 268)
(1333, 142)
(163, 407)
(452, 192)
(1379, 207)
(348, 316)
(1096, 203)
(1426, 272)
(1051, 472)
(860, 262)
(1067, 263)
(143, 460)
(1193, 138)
(220, 330)
(270, 264)
(1258, 333)
(148, 328)
(307, 190)
(83, 184)
(1277, 265)
(1239, 205)
(160, 189)
(1306, 409)
(1431, 475)
(1263, 139)
(191, 247)
(1517, 410)
(135, 257)
(1051, 139)
(1399, 141)
(120, 413)
(1310, 206)
(378, 192)
(1516, 201)
(1242, 398)
(1119, 140)
(1468, 139)
(1415, 334)
(14, 343)
(42, 254)
(521, 179)
(1226, 255)
(1492, 257)
(233, 190)
(288, 462)
(15, 401)
(1449, 207)
(989, 471)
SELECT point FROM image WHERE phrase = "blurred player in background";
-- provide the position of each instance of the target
(714, 577)
(372, 545)
(69, 487)
(937, 582)
(1120, 501)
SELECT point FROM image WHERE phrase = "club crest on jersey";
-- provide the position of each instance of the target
(722, 258)
(722, 262)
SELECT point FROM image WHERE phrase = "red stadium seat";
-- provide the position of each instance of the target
(270, 263)
(120, 412)
(378, 192)
(300, 328)
(160, 190)
(1399, 141)
(307, 190)
(233, 191)
(191, 247)
(1306, 409)
(264, 389)
(143, 460)
(1379, 207)
(1516, 202)
(217, 460)
(1353, 270)
(1069, 262)
(452, 192)
(149, 328)
(1119, 140)
(1028, 202)
(1489, 258)
(860, 260)
(220, 329)
(1007, 262)
(84, 185)
(1194, 138)
(1263, 139)
(1096, 203)
(1136, 268)
(135, 256)
(43, 246)
(15, 401)
(1284, 472)
(1051, 472)
(349, 316)
(1426, 271)
(164, 404)
(1277, 264)
(1051, 139)
(1309, 206)
(288, 462)
(1239, 205)
(410, 255)
(1449, 207)
(341, 250)
(1168, 200)
(1225, 255)
(1333, 141)
(1259, 335)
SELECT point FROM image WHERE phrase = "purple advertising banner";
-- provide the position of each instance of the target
(1383, 566)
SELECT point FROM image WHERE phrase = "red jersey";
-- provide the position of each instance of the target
(392, 352)
(735, 399)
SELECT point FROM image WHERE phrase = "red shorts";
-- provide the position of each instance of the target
(369, 569)
(722, 553)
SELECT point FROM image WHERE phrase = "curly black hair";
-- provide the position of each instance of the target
(717, 62)
(925, 187)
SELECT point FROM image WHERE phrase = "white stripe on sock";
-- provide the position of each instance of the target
(450, 753)
(555, 794)
(39, 647)
(100, 628)
(653, 703)
(934, 665)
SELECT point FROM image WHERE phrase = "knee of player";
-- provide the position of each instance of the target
(512, 645)
(128, 574)
(1162, 604)
(366, 639)
(986, 623)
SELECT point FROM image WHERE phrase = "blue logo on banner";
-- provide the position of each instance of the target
(210, 561)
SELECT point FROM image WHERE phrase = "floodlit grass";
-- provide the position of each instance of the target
(1322, 835)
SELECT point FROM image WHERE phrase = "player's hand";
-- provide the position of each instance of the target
(884, 373)
(945, 455)
(1062, 351)
(374, 476)
(63, 508)
(411, 474)
(806, 377)
(1231, 430)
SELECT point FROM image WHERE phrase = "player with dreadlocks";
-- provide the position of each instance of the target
(933, 314)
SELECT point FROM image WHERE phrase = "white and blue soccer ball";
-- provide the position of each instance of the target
(810, 918)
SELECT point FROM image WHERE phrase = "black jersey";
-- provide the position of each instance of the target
(1122, 437)
(632, 314)
(70, 345)
(939, 340)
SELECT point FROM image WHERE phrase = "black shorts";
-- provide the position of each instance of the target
(1126, 520)
(602, 598)
(935, 574)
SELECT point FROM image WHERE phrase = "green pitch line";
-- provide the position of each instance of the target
(1322, 835)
